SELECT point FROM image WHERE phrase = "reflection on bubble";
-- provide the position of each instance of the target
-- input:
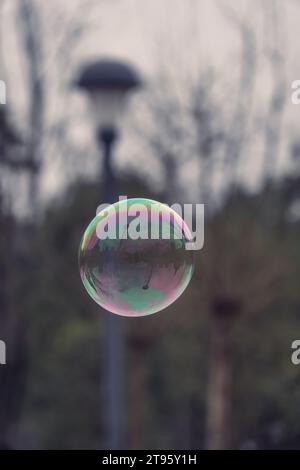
(142, 266)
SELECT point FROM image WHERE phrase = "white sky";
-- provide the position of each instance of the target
(184, 34)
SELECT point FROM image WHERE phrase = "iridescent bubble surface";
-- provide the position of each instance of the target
(133, 259)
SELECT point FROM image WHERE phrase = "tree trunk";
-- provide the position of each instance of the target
(137, 393)
(219, 400)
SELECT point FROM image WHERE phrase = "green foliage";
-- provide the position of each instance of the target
(64, 406)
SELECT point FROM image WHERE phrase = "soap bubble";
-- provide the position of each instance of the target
(133, 259)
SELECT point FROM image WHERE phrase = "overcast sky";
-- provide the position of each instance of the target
(185, 34)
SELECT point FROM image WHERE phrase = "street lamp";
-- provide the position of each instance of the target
(108, 83)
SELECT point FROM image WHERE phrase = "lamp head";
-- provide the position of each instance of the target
(107, 83)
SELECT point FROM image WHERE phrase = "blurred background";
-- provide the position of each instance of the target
(212, 122)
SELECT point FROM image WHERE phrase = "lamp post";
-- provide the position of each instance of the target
(108, 83)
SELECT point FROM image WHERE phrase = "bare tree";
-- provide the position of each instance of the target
(33, 48)
(240, 278)
(275, 23)
(237, 133)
